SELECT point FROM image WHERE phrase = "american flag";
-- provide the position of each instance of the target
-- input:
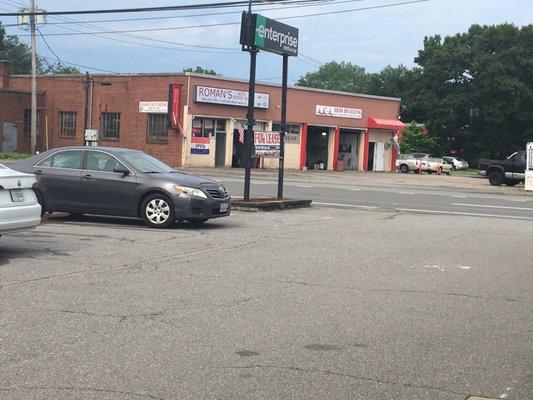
(240, 128)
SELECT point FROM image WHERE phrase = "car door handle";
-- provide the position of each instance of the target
(38, 172)
(87, 177)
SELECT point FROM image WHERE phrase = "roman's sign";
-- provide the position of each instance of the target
(275, 37)
(153, 107)
(230, 97)
(267, 144)
(339, 112)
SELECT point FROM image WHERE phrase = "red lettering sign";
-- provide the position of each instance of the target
(174, 105)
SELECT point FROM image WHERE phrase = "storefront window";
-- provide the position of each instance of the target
(205, 127)
(293, 132)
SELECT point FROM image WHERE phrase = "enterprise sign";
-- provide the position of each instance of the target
(230, 97)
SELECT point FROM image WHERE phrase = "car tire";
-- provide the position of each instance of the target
(157, 211)
(404, 168)
(496, 177)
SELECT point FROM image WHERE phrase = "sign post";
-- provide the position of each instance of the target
(261, 33)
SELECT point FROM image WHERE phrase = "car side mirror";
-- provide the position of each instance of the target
(121, 170)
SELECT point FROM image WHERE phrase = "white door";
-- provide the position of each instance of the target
(379, 157)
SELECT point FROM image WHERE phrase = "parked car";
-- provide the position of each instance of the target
(123, 182)
(19, 208)
(509, 171)
(407, 162)
(438, 165)
(456, 162)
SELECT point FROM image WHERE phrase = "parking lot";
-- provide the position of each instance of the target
(269, 305)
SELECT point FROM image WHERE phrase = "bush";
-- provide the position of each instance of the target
(14, 156)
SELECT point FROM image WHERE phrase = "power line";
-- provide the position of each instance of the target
(47, 45)
(317, 3)
(239, 3)
(238, 22)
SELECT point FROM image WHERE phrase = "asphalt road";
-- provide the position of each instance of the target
(403, 193)
(319, 303)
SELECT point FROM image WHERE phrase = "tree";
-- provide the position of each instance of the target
(475, 90)
(200, 70)
(346, 77)
(416, 140)
(60, 68)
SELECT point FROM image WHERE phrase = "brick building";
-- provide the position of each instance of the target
(327, 129)
(15, 114)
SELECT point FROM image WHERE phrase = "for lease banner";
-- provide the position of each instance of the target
(267, 144)
(230, 97)
(339, 112)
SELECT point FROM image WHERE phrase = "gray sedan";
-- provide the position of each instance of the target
(122, 182)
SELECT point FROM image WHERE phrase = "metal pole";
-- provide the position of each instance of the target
(283, 125)
(33, 79)
(248, 140)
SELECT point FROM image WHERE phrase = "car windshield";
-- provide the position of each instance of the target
(145, 163)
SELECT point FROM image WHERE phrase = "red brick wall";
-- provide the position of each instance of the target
(12, 107)
(120, 94)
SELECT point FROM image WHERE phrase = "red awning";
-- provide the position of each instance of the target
(389, 124)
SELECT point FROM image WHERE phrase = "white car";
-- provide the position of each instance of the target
(407, 162)
(438, 165)
(457, 162)
(19, 208)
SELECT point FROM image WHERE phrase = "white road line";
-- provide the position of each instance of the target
(345, 205)
(459, 197)
(414, 210)
(354, 190)
(404, 193)
(302, 186)
(489, 206)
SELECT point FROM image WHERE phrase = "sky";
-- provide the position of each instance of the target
(372, 38)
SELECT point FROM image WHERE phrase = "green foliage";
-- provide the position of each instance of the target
(59, 68)
(476, 90)
(12, 49)
(13, 156)
(346, 77)
(200, 70)
(415, 140)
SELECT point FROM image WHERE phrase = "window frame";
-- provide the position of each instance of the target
(88, 152)
(51, 157)
(212, 132)
(161, 138)
(290, 137)
(103, 124)
(61, 129)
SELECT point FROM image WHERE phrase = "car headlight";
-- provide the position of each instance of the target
(190, 191)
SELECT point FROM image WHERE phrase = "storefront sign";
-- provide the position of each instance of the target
(200, 148)
(174, 91)
(230, 97)
(267, 144)
(275, 37)
(339, 112)
(153, 107)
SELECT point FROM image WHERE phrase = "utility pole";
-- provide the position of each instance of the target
(33, 79)
(249, 138)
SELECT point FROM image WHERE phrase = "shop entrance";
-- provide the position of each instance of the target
(317, 147)
(237, 159)
(376, 156)
(220, 150)
(349, 149)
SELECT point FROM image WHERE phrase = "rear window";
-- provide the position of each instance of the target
(63, 159)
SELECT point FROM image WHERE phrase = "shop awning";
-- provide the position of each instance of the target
(389, 124)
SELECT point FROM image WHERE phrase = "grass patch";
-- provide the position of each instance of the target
(14, 156)
(468, 171)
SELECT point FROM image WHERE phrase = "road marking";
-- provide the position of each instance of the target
(414, 210)
(354, 190)
(489, 206)
(303, 186)
(345, 205)
(459, 197)
(404, 192)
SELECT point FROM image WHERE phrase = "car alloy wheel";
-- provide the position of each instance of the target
(404, 168)
(158, 211)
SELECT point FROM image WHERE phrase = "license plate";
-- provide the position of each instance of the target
(224, 207)
(17, 195)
